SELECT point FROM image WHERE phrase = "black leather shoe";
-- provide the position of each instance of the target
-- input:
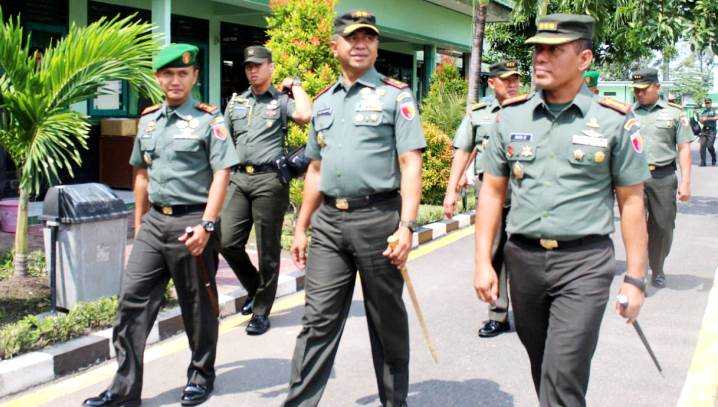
(248, 306)
(702, 164)
(493, 328)
(659, 281)
(109, 399)
(258, 325)
(194, 394)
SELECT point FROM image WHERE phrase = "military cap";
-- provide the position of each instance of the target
(257, 54)
(504, 69)
(591, 78)
(349, 22)
(644, 78)
(175, 56)
(707, 100)
(557, 29)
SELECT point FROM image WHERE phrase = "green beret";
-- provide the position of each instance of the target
(591, 78)
(175, 56)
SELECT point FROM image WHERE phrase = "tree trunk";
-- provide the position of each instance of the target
(476, 51)
(20, 262)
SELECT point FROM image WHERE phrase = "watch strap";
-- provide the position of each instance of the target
(636, 282)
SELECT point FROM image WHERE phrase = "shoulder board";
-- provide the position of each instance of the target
(394, 83)
(515, 100)
(675, 105)
(151, 109)
(478, 105)
(206, 108)
(615, 105)
(323, 91)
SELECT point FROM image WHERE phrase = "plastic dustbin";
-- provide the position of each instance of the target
(88, 225)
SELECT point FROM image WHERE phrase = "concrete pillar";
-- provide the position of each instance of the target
(162, 19)
(215, 61)
(466, 62)
(414, 76)
(429, 65)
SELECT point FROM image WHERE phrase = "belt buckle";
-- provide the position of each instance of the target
(651, 167)
(249, 169)
(548, 244)
(167, 210)
(341, 204)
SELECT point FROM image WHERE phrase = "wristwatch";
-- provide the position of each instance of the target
(296, 82)
(409, 224)
(208, 226)
(637, 282)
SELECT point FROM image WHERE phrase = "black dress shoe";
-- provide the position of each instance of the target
(194, 394)
(109, 399)
(258, 325)
(493, 328)
(659, 281)
(248, 306)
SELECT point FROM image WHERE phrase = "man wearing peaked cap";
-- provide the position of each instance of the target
(182, 156)
(709, 118)
(563, 151)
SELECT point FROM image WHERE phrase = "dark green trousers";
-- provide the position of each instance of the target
(342, 243)
(559, 298)
(157, 256)
(260, 200)
(499, 310)
(660, 198)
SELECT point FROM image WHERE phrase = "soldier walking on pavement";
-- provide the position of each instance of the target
(182, 158)
(362, 186)
(564, 151)
(469, 144)
(708, 119)
(664, 128)
(257, 195)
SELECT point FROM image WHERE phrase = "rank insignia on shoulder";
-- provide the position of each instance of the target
(394, 83)
(615, 105)
(151, 109)
(206, 108)
(515, 100)
(478, 105)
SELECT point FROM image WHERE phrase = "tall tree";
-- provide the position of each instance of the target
(477, 44)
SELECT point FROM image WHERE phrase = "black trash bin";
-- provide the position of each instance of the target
(87, 226)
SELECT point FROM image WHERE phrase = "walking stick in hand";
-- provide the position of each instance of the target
(392, 241)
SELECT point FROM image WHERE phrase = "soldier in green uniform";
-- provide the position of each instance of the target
(182, 157)
(591, 78)
(363, 185)
(664, 128)
(708, 119)
(257, 196)
(563, 150)
(469, 143)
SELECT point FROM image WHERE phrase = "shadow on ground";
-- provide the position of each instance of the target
(452, 393)
(699, 205)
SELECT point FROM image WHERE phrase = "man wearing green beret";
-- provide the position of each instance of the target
(708, 118)
(182, 157)
(470, 142)
(564, 151)
(668, 136)
(591, 78)
(257, 121)
(365, 145)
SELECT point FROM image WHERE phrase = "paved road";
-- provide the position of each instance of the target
(253, 371)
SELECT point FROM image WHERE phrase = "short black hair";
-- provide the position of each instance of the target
(583, 44)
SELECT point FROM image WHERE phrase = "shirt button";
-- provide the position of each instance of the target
(545, 215)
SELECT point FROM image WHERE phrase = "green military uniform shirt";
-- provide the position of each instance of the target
(359, 131)
(663, 126)
(563, 169)
(181, 148)
(473, 132)
(709, 126)
(254, 121)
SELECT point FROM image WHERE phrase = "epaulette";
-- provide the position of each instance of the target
(211, 109)
(675, 105)
(323, 91)
(151, 109)
(478, 105)
(394, 83)
(515, 100)
(615, 105)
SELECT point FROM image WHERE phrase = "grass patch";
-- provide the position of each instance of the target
(35, 264)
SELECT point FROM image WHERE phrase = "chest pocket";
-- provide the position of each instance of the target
(367, 119)
(665, 124)
(323, 121)
(239, 117)
(521, 151)
(184, 145)
(589, 155)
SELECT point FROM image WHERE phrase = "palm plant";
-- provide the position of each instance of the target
(40, 132)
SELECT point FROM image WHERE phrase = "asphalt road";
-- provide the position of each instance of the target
(253, 371)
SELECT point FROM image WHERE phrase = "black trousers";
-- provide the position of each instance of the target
(559, 298)
(157, 256)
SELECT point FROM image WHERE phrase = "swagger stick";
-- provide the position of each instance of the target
(392, 241)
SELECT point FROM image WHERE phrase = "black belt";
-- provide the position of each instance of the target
(660, 171)
(347, 204)
(550, 244)
(177, 210)
(255, 169)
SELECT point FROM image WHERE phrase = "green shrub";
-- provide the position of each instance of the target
(445, 104)
(437, 165)
(35, 264)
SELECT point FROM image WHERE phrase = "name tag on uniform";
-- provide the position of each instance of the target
(521, 136)
(325, 112)
(369, 107)
(185, 135)
(590, 141)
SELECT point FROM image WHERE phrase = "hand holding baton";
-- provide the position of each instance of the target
(623, 302)
(204, 276)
